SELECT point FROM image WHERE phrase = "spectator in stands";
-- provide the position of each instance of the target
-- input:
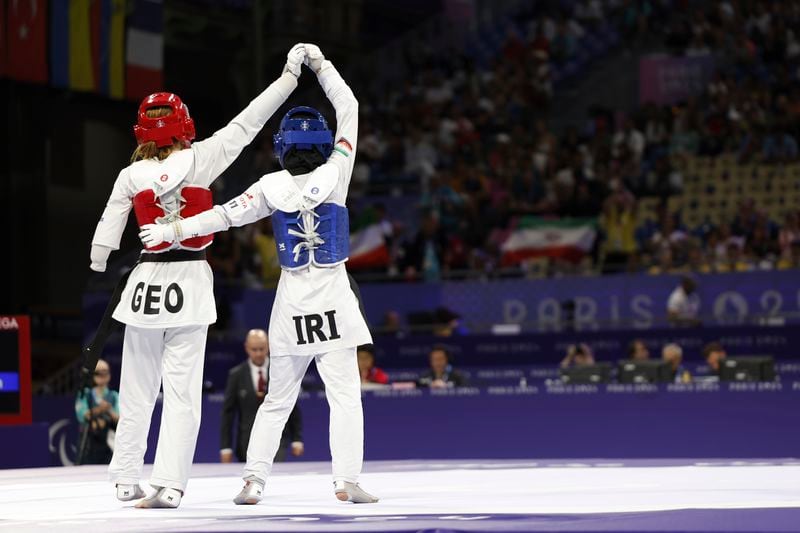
(735, 260)
(637, 350)
(97, 411)
(793, 261)
(761, 247)
(714, 353)
(724, 238)
(387, 227)
(423, 256)
(370, 374)
(683, 305)
(441, 375)
(630, 139)
(577, 355)
(685, 138)
(636, 16)
(696, 261)
(673, 354)
(421, 156)
(563, 45)
(618, 222)
(247, 385)
(446, 323)
(666, 263)
(392, 325)
(779, 147)
(789, 233)
(542, 83)
(668, 234)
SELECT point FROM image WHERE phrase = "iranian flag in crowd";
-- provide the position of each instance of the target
(564, 238)
(368, 248)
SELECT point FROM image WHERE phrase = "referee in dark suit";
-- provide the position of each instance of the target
(247, 385)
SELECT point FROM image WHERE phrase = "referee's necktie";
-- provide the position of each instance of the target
(262, 384)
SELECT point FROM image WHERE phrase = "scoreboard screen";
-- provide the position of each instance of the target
(15, 369)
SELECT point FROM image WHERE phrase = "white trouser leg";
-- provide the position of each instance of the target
(140, 379)
(339, 372)
(184, 353)
(285, 375)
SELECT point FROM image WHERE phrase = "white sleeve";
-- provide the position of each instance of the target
(215, 154)
(99, 257)
(246, 208)
(115, 216)
(675, 302)
(346, 106)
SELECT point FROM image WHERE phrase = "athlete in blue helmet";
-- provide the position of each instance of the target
(316, 313)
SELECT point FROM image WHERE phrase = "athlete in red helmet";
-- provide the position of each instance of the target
(168, 301)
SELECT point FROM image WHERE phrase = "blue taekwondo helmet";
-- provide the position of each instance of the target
(308, 131)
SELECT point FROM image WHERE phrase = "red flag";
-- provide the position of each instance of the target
(27, 40)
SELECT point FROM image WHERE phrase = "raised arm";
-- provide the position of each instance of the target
(108, 233)
(346, 106)
(246, 208)
(215, 154)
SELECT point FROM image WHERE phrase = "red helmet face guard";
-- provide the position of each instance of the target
(164, 130)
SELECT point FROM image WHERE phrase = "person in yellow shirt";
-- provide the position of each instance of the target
(793, 260)
(618, 222)
(264, 244)
(696, 261)
(735, 260)
(665, 263)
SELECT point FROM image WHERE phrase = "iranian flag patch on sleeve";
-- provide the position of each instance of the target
(343, 147)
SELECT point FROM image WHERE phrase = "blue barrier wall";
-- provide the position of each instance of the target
(607, 421)
(24, 446)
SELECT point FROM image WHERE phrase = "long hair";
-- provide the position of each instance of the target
(149, 150)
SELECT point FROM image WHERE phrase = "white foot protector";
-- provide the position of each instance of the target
(164, 498)
(352, 492)
(126, 493)
(251, 493)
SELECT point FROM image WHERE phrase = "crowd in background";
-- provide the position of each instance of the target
(467, 144)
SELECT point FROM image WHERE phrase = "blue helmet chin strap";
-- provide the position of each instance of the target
(303, 133)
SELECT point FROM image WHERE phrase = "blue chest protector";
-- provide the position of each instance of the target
(321, 236)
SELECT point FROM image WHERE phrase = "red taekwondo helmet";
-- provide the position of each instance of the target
(164, 130)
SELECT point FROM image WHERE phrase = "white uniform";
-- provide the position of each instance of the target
(167, 306)
(323, 293)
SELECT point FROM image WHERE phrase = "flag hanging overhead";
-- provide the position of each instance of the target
(144, 57)
(87, 45)
(25, 41)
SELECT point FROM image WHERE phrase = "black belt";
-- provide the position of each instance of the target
(173, 256)
(93, 351)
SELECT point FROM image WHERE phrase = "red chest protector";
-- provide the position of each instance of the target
(196, 200)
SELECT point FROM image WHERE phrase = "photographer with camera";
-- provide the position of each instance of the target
(97, 410)
(577, 355)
